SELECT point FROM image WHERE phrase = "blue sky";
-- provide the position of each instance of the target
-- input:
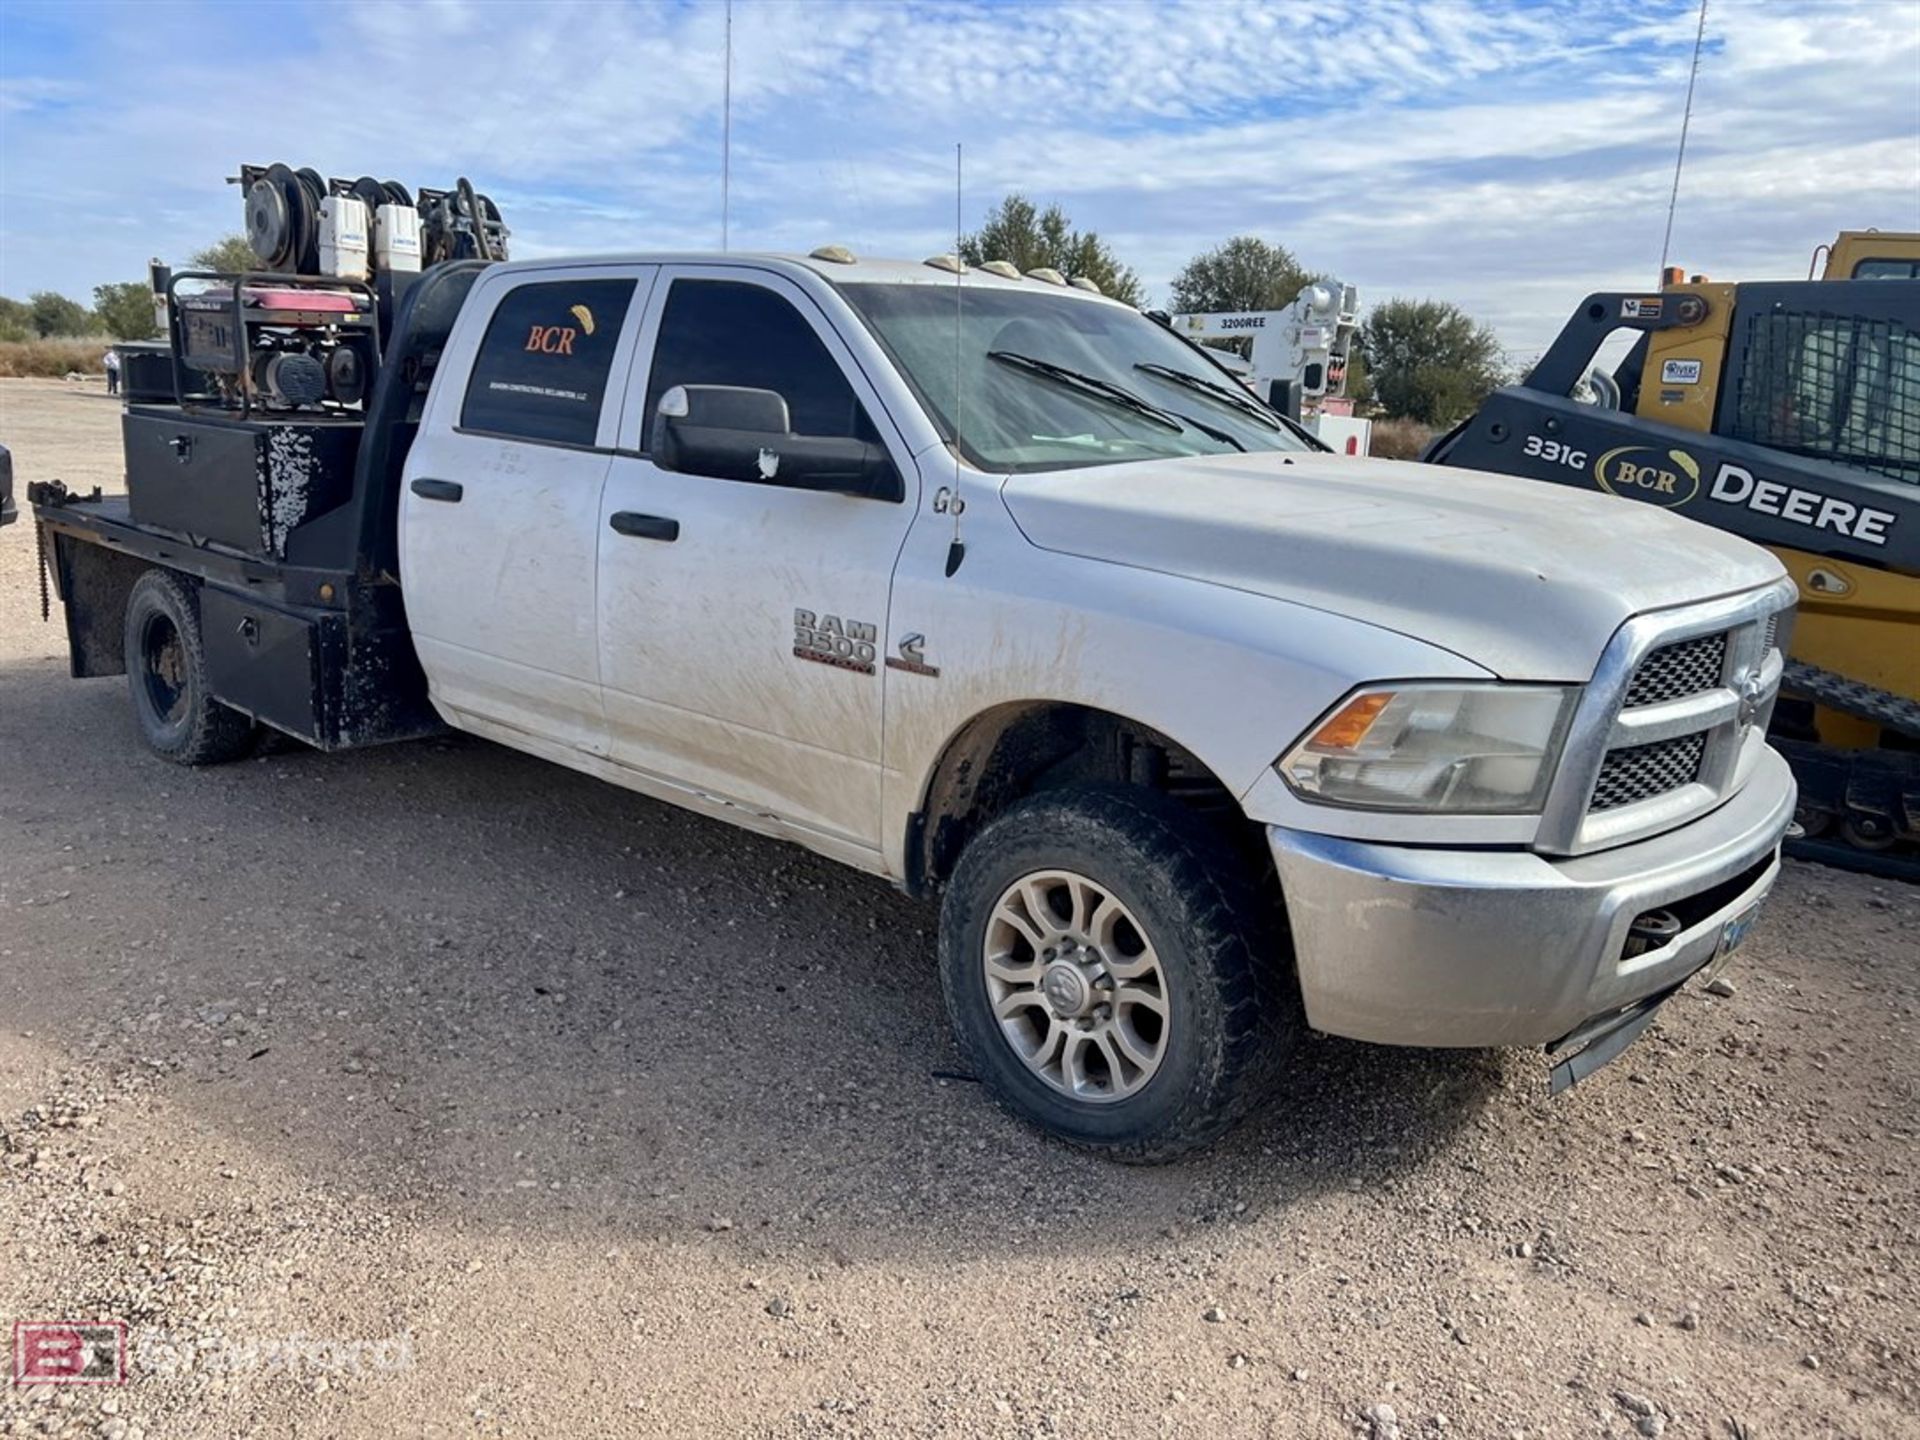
(1509, 156)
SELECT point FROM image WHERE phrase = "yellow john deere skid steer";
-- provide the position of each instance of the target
(1787, 412)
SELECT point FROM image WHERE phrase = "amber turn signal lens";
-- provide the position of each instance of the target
(1348, 728)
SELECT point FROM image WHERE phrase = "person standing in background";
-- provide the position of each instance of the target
(113, 372)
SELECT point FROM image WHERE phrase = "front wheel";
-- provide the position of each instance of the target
(1098, 954)
(173, 703)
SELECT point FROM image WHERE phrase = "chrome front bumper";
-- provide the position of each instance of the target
(1408, 946)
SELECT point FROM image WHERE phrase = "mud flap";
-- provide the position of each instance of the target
(1599, 1042)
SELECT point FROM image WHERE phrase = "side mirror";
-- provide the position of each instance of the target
(731, 432)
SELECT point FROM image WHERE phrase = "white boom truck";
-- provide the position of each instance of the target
(1001, 590)
(1296, 358)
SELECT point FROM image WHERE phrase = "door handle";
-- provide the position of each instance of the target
(647, 527)
(448, 490)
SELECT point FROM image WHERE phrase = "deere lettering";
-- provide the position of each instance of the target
(552, 339)
(1640, 472)
(1737, 485)
(1244, 322)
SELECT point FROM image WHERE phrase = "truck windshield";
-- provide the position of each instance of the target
(1050, 381)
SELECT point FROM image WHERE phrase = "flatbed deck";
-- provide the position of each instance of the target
(283, 529)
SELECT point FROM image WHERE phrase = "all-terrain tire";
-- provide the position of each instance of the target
(173, 704)
(1230, 1011)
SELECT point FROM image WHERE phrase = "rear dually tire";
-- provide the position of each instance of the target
(173, 704)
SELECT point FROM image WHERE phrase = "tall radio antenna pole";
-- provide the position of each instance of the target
(1686, 120)
(956, 547)
(959, 268)
(726, 138)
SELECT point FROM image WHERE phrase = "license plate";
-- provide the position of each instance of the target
(1734, 932)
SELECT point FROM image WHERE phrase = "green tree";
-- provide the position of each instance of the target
(16, 320)
(1017, 231)
(1359, 378)
(1246, 273)
(228, 254)
(1430, 360)
(126, 309)
(51, 313)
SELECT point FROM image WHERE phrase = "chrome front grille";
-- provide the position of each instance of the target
(1685, 667)
(1642, 771)
(1678, 670)
(1672, 721)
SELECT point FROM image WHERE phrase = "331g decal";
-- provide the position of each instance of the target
(1555, 452)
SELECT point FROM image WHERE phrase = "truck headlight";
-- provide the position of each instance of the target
(1450, 749)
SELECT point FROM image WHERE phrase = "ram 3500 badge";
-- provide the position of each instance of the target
(849, 644)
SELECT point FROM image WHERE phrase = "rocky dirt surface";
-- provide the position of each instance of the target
(438, 1091)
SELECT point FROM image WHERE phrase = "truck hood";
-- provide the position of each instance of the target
(1526, 578)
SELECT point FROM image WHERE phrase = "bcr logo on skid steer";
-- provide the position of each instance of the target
(1636, 471)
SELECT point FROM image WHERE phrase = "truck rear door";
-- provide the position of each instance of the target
(500, 504)
(743, 625)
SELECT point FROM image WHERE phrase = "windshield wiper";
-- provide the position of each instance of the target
(1209, 431)
(1119, 394)
(1225, 394)
(1089, 384)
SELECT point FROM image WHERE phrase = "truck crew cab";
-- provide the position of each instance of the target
(995, 587)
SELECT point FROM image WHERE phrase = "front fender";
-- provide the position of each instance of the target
(1231, 676)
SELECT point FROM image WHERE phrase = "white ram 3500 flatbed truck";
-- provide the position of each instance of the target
(1199, 733)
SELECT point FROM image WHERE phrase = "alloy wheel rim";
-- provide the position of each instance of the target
(1076, 986)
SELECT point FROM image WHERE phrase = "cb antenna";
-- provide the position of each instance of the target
(959, 292)
(726, 136)
(956, 506)
(1686, 120)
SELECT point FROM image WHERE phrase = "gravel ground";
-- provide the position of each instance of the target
(439, 1091)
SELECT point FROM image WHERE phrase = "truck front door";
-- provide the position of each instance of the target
(743, 626)
(500, 504)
